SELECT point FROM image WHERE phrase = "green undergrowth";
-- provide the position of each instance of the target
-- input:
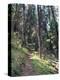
(18, 56)
(42, 66)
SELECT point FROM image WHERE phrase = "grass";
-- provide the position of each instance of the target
(18, 56)
(42, 66)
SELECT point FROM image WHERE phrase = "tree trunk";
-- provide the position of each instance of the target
(37, 30)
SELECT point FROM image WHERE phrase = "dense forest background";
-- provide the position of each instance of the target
(34, 37)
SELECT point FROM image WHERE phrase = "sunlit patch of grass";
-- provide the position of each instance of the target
(35, 57)
(41, 66)
(25, 50)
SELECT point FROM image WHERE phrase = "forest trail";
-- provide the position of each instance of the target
(27, 69)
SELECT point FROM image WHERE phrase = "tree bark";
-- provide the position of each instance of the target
(37, 30)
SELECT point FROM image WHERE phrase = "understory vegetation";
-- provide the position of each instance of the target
(39, 65)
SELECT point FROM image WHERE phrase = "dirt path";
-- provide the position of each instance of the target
(27, 68)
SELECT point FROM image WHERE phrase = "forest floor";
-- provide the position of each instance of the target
(27, 69)
(26, 63)
(36, 66)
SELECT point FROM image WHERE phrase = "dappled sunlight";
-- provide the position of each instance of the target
(25, 50)
(39, 67)
(34, 56)
(42, 66)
